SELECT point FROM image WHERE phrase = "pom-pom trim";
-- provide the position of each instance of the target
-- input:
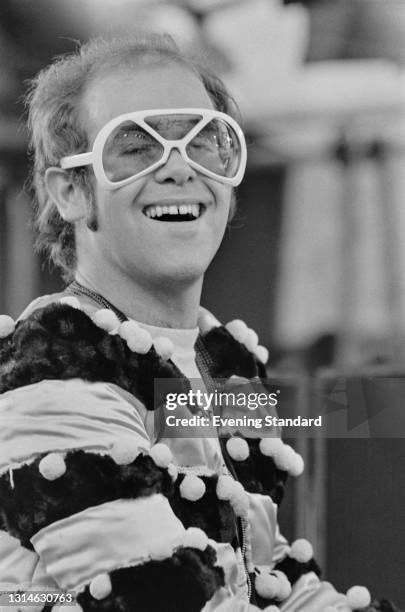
(52, 466)
(106, 319)
(358, 597)
(138, 340)
(100, 587)
(249, 338)
(164, 347)
(238, 448)
(195, 538)
(124, 451)
(161, 455)
(301, 550)
(7, 326)
(192, 487)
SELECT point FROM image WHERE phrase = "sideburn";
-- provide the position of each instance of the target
(92, 213)
(85, 180)
(92, 217)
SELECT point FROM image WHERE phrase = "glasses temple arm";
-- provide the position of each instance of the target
(75, 161)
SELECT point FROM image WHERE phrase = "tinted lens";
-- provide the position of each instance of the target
(128, 150)
(217, 148)
(173, 127)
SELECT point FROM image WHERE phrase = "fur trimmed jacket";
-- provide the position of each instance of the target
(97, 501)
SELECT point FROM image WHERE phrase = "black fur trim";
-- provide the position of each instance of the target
(214, 516)
(258, 473)
(228, 356)
(293, 569)
(92, 479)
(60, 342)
(89, 480)
(183, 583)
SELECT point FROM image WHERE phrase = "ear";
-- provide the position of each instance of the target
(67, 195)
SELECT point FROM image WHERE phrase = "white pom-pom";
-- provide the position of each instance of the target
(141, 342)
(70, 300)
(137, 339)
(192, 487)
(284, 585)
(100, 586)
(358, 597)
(195, 538)
(52, 466)
(240, 506)
(251, 341)
(238, 329)
(301, 550)
(285, 457)
(106, 319)
(267, 586)
(164, 347)
(270, 446)
(207, 321)
(239, 500)
(7, 326)
(262, 354)
(173, 471)
(161, 455)
(124, 451)
(237, 448)
(225, 487)
(128, 329)
(297, 465)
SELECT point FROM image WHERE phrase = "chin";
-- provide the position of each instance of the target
(185, 273)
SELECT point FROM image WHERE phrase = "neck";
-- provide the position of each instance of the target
(171, 304)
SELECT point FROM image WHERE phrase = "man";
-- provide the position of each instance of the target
(136, 154)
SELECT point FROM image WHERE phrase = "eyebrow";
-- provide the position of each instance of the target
(160, 123)
(132, 128)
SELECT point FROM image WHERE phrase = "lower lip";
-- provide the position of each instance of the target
(178, 229)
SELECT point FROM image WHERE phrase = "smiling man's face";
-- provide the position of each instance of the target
(132, 238)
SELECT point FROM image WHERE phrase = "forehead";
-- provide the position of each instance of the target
(143, 87)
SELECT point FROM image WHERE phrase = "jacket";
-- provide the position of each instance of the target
(98, 499)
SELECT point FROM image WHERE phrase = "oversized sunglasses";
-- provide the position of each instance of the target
(134, 144)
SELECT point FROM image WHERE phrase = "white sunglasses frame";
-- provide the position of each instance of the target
(95, 157)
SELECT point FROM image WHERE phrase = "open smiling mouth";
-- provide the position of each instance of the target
(183, 212)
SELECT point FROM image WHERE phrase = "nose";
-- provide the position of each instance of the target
(175, 170)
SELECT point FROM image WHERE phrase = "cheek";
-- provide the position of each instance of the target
(224, 198)
(222, 194)
(115, 207)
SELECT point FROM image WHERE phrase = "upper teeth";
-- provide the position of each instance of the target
(183, 209)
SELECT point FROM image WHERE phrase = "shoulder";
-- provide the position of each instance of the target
(60, 339)
(54, 298)
(39, 302)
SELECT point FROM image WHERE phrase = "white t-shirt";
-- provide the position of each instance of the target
(183, 342)
(204, 452)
